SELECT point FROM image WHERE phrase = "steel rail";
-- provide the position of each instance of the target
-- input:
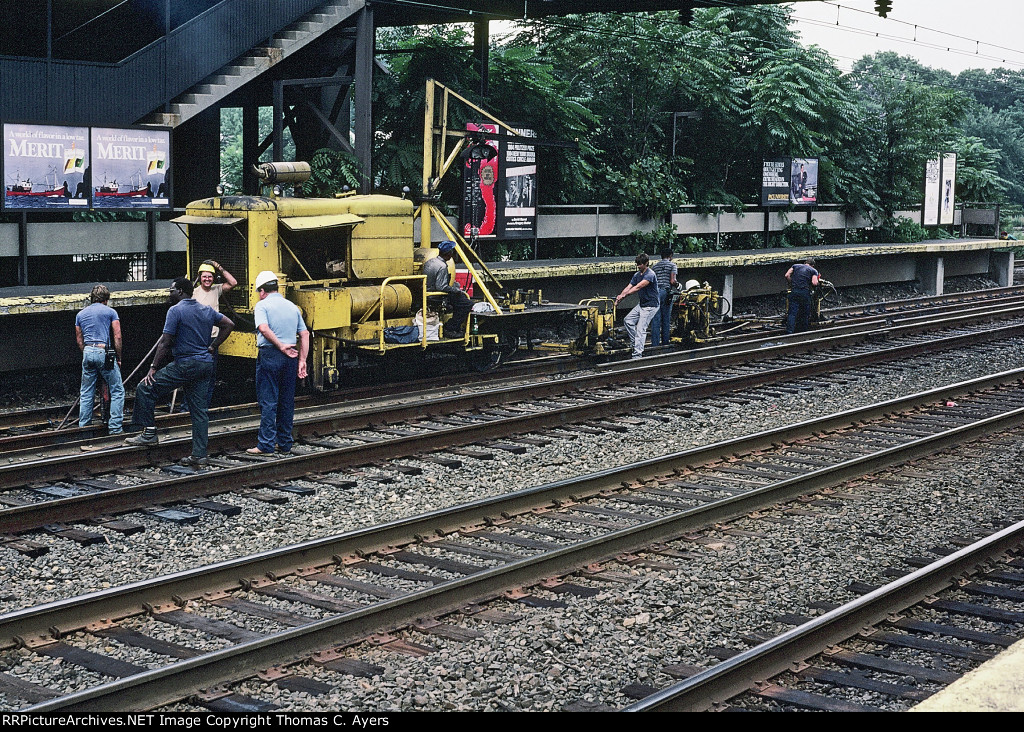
(34, 515)
(171, 683)
(736, 675)
(483, 511)
(237, 433)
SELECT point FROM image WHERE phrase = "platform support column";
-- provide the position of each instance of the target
(363, 97)
(1000, 267)
(931, 273)
(23, 249)
(727, 295)
(151, 245)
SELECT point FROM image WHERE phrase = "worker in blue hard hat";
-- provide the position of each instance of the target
(439, 279)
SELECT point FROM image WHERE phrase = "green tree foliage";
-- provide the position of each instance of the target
(613, 83)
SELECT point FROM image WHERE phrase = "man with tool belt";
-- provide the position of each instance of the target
(186, 338)
(95, 327)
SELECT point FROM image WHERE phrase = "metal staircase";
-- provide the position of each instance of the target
(256, 61)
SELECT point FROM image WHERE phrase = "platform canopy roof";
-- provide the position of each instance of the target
(402, 13)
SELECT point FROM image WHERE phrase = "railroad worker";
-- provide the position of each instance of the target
(283, 342)
(96, 326)
(440, 280)
(209, 294)
(801, 277)
(186, 342)
(639, 318)
(665, 270)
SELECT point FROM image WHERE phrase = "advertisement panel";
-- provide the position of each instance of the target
(480, 163)
(789, 182)
(803, 183)
(948, 189)
(775, 182)
(932, 188)
(499, 184)
(519, 171)
(130, 168)
(44, 167)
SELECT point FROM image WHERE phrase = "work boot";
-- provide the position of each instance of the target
(143, 438)
(193, 462)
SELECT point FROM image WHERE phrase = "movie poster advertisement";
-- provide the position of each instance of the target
(44, 167)
(130, 168)
(789, 182)
(948, 189)
(932, 192)
(499, 185)
(803, 181)
(520, 174)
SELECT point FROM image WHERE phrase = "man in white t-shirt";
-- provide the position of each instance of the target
(208, 293)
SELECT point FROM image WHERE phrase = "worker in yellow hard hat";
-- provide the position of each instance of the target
(208, 293)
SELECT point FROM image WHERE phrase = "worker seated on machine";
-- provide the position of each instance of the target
(439, 280)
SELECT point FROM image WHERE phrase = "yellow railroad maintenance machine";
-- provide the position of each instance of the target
(352, 266)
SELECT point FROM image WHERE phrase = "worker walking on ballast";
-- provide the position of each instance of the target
(801, 278)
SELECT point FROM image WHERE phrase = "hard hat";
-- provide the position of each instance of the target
(446, 246)
(207, 268)
(690, 284)
(263, 278)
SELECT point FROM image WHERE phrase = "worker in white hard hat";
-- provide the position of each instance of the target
(209, 294)
(283, 342)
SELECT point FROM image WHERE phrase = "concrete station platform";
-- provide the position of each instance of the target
(995, 686)
(41, 319)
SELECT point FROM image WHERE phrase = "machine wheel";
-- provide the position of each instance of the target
(487, 359)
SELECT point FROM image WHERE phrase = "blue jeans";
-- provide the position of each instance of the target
(798, 319)
(276, 375)
(93, 358)
(636, 326)
(661, 326)
(193, 378)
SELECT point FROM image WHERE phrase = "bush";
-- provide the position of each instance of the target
(899, 231)
(799, 235)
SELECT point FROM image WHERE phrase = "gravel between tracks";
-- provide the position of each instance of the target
(593, 648)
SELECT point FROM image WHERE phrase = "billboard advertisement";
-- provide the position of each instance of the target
(803, 184)
(775, 182)
(499, 191)
(789, 182)
(948, 189)
(480, 162)
(44, 167)
(519, 171)
(130, 168)
(932, 189)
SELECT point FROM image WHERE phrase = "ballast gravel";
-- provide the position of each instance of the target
(727, 590)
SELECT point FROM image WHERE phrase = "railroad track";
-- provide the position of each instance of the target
(333, 598)
(854, 650)
(75, 486)
(36, 427)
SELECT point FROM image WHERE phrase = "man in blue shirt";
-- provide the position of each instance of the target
(283, 342)
(661, 326)
(95, 327)
(646, 284)
(186, 338)
(435, 270)
(801, 278)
